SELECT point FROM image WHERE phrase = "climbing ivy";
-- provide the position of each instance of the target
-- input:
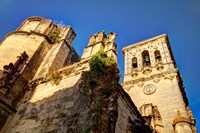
(103, 69)
(100, 83)
(55, 76)
(54, 34)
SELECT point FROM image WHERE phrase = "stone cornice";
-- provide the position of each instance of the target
(160, 75)
(43, 79)
(143, 42)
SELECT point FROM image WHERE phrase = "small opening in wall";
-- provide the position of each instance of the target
(157, 56)
(146, 58)
(134, 62)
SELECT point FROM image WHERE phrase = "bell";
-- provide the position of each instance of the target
(158, 56)
(134, 61)
(146, 58)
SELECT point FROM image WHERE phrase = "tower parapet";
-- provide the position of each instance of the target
(101, 41)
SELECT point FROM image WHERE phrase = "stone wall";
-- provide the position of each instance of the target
(13, 95)
(17, 43)
(5, 112)
(165, 94)
(66, 108)
(129, 119)
(151, 77)
(32, 38)
(49, 108)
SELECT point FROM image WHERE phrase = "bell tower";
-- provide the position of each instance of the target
(155, 85)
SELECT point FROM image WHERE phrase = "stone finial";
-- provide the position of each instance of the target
(111, 36)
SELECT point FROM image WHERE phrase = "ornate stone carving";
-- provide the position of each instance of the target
(147, 71)
(170, 77)
(111, 37)
(140, 84)
(152, 117)
(11, 72)
(134, 75)
(156, 80)
(149, 89)
(160, 68)
(128, 88)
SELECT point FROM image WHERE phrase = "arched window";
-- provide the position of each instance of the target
(157, 56)
(146, 58)
(134, 62)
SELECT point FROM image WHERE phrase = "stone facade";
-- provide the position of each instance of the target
(41, 91)
(41, 85)
(61, 108)
(152, 80)
(31, 54)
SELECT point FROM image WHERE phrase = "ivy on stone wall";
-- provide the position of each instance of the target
(100, 84)
(55, 76)
(102, 69)
(54, 34)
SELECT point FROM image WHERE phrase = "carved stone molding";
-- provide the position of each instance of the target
(170, 77)
(140, 84)
(12, 71)
(134, 75)
(156, 80)
(147, 71)
(160, 75)
(160, 68)
(127, 88)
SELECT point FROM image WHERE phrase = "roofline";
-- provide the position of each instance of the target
(143, 42)
(28, 19)
(34, 18)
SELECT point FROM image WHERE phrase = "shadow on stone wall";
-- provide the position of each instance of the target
(59, 113)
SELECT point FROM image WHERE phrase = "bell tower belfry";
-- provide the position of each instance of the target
(155, 85)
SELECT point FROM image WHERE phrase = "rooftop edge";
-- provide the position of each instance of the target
(144, 41)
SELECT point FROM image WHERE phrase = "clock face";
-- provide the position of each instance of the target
(149, 89)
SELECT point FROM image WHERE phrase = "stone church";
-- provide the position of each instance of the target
(41, 79)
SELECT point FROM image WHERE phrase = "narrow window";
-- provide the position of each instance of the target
(134, 62)
(146, 58)
(157, 56)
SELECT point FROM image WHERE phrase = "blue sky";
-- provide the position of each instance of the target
(132, 20)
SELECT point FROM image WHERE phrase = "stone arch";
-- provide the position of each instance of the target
(134, 62)
(157, 55)
(146, 58)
